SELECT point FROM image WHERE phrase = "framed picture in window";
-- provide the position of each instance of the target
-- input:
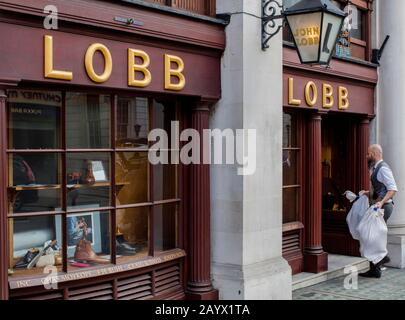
(81, 225)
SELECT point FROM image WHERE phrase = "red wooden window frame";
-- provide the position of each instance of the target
(151, 204)
(300, 162)
(293, 231)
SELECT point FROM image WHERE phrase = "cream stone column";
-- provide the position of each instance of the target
(246, 211)
(391, 115)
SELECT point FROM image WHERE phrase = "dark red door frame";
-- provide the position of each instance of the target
(309, 134)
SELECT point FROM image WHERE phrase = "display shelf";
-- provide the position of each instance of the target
(32, 187)
(21, 273)
(139, 255)
(92, 185)
(95, 185)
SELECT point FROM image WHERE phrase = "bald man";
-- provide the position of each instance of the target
(383, 191)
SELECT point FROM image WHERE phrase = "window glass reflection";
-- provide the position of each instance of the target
(165, 227)
(87, 121)
(290, 204)
(132, 173)
(164, 175)
(88, 179)
(132, 122)
(34, 182)
(34, 119)
(132, 232)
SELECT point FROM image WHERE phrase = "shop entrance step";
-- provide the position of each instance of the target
(336, 267)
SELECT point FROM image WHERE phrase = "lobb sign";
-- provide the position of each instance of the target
(139, 61)
(325, 96)
(119, 62)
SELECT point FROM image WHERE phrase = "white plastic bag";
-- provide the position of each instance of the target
(372, 231)
(350, 196)
(356, 213)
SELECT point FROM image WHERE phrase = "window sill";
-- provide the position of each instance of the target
(292, 226)
(180, 12)
(359, 42)
(20, 282)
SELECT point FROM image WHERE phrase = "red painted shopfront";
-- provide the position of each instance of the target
(76, 107)
(326, 127)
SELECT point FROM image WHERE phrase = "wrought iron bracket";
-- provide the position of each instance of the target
(272, 20)
(377, 53)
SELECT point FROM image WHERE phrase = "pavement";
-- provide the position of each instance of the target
(391, 286)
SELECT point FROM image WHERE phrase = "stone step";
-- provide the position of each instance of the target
(336, 267)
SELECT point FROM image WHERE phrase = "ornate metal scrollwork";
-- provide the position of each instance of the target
(272, 20)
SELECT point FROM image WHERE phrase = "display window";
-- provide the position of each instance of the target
(292, 163)
(82, 192)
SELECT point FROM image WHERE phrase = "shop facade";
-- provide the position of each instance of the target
(77, 105)
(326, 134)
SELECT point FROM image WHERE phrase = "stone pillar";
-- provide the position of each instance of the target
(3, 199)
(247, 260)
(199, 284)
(364, 176)
(391, 116)
(315, 259)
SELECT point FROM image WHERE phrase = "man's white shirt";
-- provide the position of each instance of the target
(386, 177)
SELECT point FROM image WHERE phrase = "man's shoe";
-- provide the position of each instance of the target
(124, 249)
(385, 260)
(24, 262)
(372, 273)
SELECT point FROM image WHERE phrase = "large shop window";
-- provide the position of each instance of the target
(291, 169)
(81, 189)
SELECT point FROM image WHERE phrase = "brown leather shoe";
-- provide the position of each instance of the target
(84, 252)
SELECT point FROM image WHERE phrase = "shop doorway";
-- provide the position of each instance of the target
(340, 172)
(344, 142)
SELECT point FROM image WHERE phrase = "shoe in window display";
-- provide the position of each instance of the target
(123, 247)
(52, 255)
(84, 253)
(28, 257)
(46, 260)
(48, 245)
